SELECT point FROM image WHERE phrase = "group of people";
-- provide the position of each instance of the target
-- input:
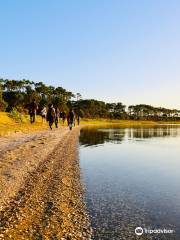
(53, 115)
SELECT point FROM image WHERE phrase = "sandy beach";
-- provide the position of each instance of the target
(41, 195)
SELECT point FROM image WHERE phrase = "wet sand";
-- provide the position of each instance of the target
(41, 195)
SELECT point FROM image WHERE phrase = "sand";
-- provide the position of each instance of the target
(41, 194)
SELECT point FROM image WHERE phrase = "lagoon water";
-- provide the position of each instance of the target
(132, 179)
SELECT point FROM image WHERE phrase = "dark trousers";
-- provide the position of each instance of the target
(56, 122)
(50, 124)
(32, 117)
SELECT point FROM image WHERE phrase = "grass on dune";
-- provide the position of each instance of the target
(8, 125)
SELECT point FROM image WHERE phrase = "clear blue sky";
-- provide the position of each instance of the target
(112, 50)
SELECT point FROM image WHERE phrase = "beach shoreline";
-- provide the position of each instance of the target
(42, 195)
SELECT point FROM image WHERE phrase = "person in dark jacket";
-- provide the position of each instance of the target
(71, 118)
(32, 111)
(51, 115)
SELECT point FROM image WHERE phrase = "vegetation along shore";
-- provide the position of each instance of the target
(16, 95)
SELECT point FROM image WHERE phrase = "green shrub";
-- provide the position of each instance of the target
(17, 116)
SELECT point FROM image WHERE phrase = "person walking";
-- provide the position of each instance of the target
(60, 116)
(71, 119)
(57, 114)
(51, 115)
(44, 114)
(33, 110)
(78, 119)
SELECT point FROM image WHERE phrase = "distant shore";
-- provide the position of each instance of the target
(126, 122)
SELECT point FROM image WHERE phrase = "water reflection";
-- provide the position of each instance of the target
(132, 179)
(93, 136)
(153, 132)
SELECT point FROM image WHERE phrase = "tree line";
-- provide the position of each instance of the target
(19, 94)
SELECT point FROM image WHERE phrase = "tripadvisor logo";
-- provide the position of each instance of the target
(139, 231)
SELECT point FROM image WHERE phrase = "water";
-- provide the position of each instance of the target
(132, 179)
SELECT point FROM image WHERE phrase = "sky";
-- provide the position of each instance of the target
(112, 50)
